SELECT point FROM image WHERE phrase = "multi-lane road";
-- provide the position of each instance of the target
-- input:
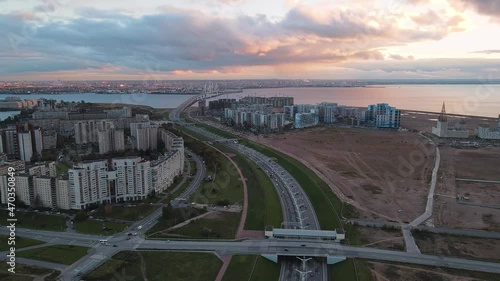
(298, 211)
(311, 248)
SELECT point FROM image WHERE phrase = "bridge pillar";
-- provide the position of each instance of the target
(273, 258)
(334, 259)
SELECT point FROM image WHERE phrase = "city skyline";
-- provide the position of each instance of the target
(235, 39)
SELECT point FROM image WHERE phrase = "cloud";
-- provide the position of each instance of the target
(488, 52)
(192, 40)
(464, 66)
(485, 7)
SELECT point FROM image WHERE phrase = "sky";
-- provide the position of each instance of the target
(249, 39)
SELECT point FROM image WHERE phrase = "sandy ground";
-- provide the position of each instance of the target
(380, 238)
(468, 163)
(466, 247)
(423, 121)
(383, 171)
(401, 272)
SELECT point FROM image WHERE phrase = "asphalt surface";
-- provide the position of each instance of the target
(198, 178)
(297, 209)
(311, 248)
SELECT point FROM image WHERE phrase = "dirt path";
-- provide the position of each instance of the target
(143, 268)
(245, 195)
(225, 263)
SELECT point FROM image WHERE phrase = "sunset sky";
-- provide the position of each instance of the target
(233, 39)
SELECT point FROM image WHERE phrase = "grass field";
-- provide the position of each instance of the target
(89, 226)
(226, 186)
(251, 268)
(259, 186)
(158, 266)
(127, 213)
(22, 272)
(21, 242)
(219, 226)
(34, 220)
(264, 208)
(65, 254)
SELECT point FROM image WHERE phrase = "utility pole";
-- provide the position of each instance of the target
(303, 273)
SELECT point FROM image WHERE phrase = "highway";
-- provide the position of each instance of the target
(198, 178)
(311, 248)
(298, 211)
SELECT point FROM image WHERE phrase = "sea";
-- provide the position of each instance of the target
(475, 100)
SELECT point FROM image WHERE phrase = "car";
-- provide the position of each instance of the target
(312, 274)
(286, 250)
(115, 246)
(303, 245)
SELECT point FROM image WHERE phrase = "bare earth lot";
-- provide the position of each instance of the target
(458, 246)
(372, 167)
(376, 237)
(424, 121)
(468, 163)
(390, 272)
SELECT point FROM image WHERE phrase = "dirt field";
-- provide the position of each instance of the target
(458, 246)
(467, 163)
(385, 172)
(422, 121)
(390, 272)
(376, 238)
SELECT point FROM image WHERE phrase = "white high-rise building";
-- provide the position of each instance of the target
(133, 178)
(111, 140)
(43, 169)
(86, 131)
(144, 135)
(24, 189)
(11, 143)
(63, 194)
(25, 146)
(38, 136)
(165, 169)
(44, 191)
(88, 184)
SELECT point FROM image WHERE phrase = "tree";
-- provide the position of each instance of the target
(81, 216)
(167, 212)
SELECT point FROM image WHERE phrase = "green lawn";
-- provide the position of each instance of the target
(159, 266)
(21, 242)
(251, 268)
(223, 226)
(174, 217)
(89, 226)
(126, 213)
(34, 220)
(264, 207)
(65, 254)
(22, 269)
(226, 186)
(259, 186)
